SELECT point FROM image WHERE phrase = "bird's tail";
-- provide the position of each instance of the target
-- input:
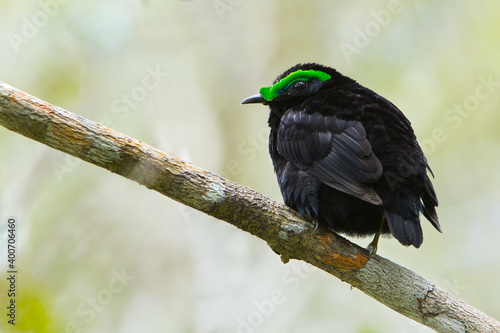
(402, 214)
(429, 204)
(406, 230)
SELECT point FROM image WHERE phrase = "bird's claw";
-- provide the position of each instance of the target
(372, 249)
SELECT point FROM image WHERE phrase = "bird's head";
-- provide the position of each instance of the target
(296, 85)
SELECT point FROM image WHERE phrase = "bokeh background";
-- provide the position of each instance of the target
(99, 253)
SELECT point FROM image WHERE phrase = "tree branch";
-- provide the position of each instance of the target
(285, 231)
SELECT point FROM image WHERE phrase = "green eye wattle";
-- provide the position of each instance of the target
(270, 93)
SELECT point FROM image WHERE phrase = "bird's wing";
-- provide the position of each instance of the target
(334, 150)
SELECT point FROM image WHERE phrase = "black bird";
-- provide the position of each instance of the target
(346, 156)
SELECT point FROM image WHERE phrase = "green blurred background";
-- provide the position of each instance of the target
(99, 253)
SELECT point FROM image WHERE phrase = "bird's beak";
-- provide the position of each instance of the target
(257, 98)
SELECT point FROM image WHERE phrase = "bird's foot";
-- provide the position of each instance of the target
(315, 227)
(372, 249)
(373, 246)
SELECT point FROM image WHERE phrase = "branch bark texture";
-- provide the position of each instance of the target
(285, 231)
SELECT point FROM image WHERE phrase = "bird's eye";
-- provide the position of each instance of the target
(299, 86)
